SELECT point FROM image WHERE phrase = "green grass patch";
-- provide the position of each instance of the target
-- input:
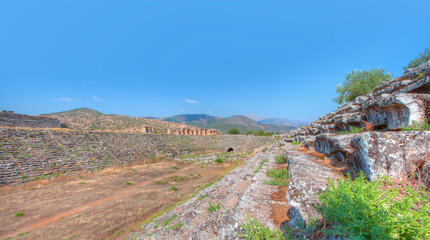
(19, 214)
(176, 226)
(175, 167)
(280, 159)
(424, 126)
(178, 178)
(261, 165)
(173, 188)
(203, 196)
(159, 182)
(360, 209)
(277, 177)
(352, 130)
(128, 183)
(213, 208)
(295, 143)
(252, 229)
(171, 219)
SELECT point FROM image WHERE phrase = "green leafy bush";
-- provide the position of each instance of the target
(360, 209)
(233, 131)
(358, 83)
(173, 188)
(423, 57)
(219, 160)
(254, 230)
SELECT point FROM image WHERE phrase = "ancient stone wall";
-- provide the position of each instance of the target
(195, 131)
(28, 154)
(10, 119)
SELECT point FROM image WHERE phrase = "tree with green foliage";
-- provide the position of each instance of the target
(358, 83)
(234, 131)
(249, 133)
(424, 57)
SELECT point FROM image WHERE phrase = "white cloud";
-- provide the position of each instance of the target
(191, 101)
(97, 99)
(64, 99)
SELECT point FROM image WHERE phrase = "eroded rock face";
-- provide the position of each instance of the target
(391, 154)
(390, 106)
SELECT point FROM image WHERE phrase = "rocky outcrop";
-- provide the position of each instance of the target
(393, 154)
(390, 106)
(308, 177)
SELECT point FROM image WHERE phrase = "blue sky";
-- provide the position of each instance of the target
(163, 58)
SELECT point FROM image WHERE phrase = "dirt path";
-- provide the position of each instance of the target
(95, 206)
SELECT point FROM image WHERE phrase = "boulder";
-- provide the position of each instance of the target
(393, 154)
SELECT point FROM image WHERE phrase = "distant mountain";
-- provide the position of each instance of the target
(244, 124)
(90, 119)
(276, 121)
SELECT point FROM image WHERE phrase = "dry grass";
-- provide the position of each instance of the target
(317, 154)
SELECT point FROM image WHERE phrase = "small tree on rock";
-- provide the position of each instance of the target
(358, 83)
(424, 57)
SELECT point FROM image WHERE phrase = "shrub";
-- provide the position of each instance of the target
(253, 229)
(295, 143)
(358, 83)
(174, 167)
(128, 183)
(19, 214)
(159, 182)
(219, 160)
(360, 209)
(249, 133)
(178, 178)
(213, 208)
(173, 188)
(423, 57)
(233, 131)
(280, 159)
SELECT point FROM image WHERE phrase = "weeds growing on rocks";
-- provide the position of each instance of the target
(277, 177)
(261, 165)
(253, 229)
(280, 159)
(213, 208)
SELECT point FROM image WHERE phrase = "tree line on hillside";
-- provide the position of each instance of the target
(258, 133)
(358, 82)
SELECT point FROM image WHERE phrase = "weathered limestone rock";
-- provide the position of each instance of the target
(336, 146)
(403, 109)
(391, 154)
(307, 178)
